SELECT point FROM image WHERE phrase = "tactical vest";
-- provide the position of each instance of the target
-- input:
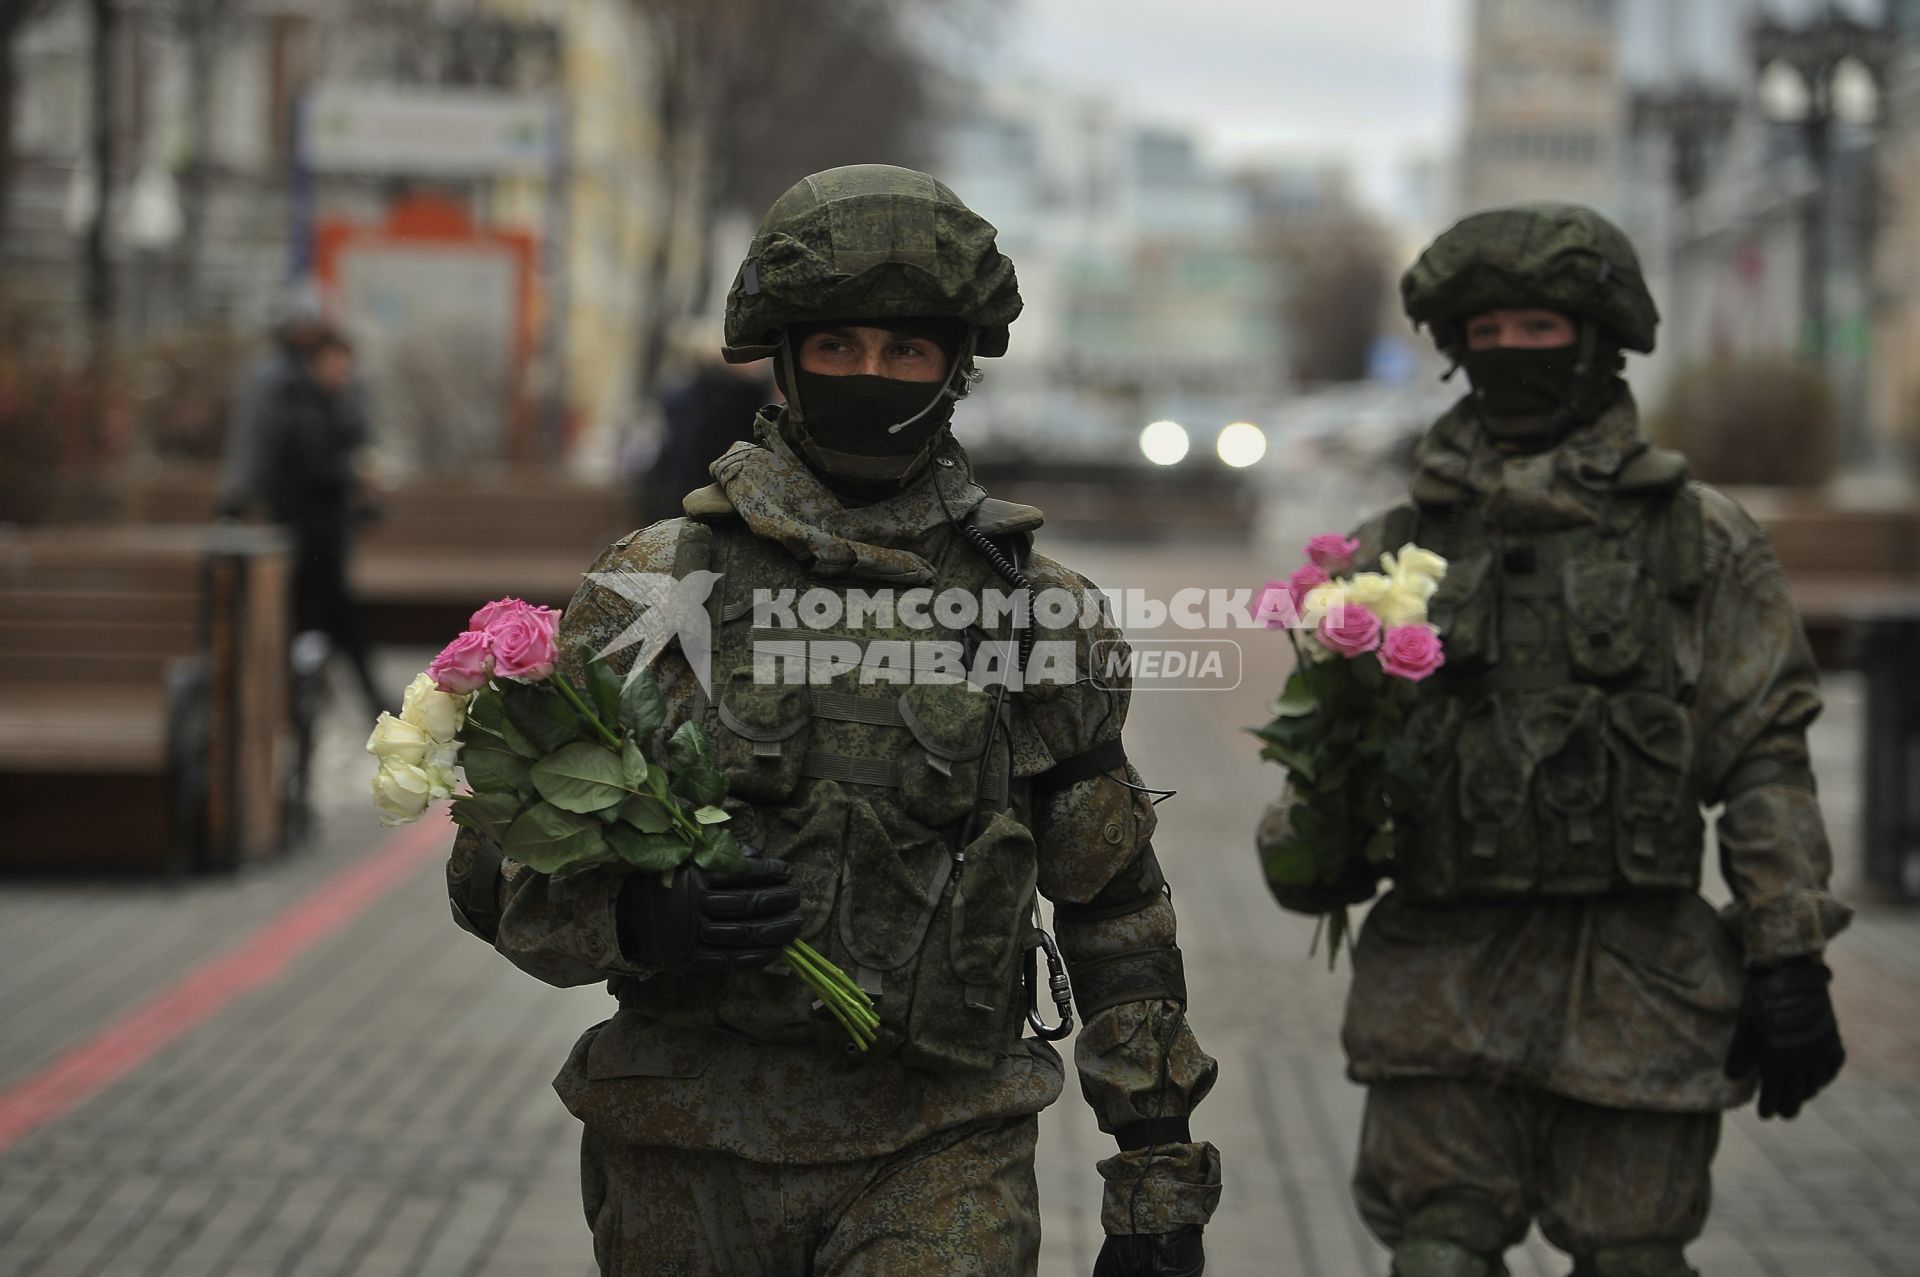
(864, 785)
(1557, 737)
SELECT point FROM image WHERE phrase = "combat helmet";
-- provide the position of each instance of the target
(869, 241)
(1563, 257)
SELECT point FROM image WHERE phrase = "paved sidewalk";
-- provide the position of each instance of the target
(383, 1106)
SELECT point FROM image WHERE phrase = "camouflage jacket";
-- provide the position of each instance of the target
(1626, 1000)
(643, 1080)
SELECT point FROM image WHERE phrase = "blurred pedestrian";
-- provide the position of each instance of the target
(293, 457)
(704, 415)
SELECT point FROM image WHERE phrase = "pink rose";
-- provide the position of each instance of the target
(1349, 630)
(486, 616)
(1411, 652)
(1305, 579)
(1332, 552)
(1276, 606)
(523, 641)
(463, 665)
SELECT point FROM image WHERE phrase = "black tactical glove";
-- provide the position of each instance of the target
(708, 923)
(1788, 1031)
(1175, 1254)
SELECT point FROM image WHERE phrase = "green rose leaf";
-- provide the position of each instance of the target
(645, 813)
(710, 815)
(489, 712)
(1299, 762)
(633, 765)
(547, 839)
(495, 771)
(720, 854)
(700, 785)
(543, 717)
(1296, 698)
(603, 685)
(652, 853)
(487, 813)
(642, 708)
(687, 748)
(581, 778)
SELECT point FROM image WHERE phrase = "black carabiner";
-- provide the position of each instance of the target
(1057, 982)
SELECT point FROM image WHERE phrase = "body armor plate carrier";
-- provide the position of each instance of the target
(1557, 737)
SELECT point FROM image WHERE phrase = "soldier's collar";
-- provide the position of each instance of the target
(1457, 463)
(772, 490)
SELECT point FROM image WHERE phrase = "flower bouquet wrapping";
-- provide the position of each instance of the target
(1362, 642)
(563, 777)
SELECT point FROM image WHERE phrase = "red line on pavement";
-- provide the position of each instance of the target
(125, 1043)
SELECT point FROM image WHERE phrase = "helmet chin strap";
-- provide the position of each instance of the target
(790, 384)
(948, 388)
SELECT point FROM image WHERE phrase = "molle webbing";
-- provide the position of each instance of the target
(1142, 976)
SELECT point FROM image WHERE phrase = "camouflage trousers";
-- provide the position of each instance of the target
(961, 1201)
(1464, 1161)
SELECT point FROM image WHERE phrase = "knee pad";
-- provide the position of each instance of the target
(1428, 1257)
(1644, 1259)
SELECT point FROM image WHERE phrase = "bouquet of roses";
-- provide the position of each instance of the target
(562, 776)
(1362, 641)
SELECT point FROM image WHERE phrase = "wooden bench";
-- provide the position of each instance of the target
(441, 547)
(1844, 566)
(142, 696)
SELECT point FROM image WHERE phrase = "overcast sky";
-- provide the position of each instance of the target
(1371, 81)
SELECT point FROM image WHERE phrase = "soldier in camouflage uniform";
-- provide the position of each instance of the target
(1548, 1017)
(730, 1127)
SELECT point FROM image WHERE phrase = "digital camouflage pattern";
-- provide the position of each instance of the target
(869, 241)
(1603, 1183)
(1627, 1000)
(1555, 741)
(1563, 257)
(736, 1064)
(1537, 1051)
(962, 1202)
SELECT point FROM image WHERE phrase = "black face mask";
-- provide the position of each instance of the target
(1532, 399)
(870, 430)
(1511, 382)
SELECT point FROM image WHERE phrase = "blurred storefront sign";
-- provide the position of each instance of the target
(445, 310)
(427, 132)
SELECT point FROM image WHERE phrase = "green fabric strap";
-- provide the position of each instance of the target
(848, 707)
(1142, 976)
(821, 765)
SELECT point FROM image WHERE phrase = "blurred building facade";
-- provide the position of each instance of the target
(243, 129)
(1542, 102)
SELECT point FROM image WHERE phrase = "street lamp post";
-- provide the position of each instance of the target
(1693, 117)
(1814, 73)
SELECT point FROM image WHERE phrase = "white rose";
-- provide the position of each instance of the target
(1320, 600)
(439, 714)
(401, 791)
(398, 740)
(1369, 588)
(1403, 605)
(440, 762)
(1414, 563)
